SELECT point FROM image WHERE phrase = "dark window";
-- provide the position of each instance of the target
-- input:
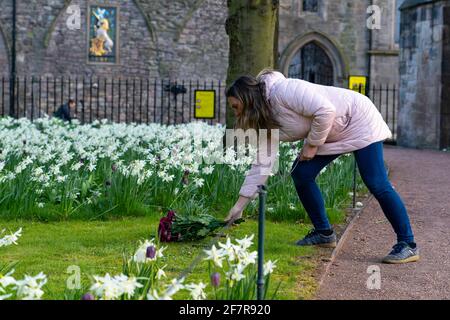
(311, 63)
(310, 5)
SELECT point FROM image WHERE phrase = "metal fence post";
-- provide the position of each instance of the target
(262, 191)
(12, 80)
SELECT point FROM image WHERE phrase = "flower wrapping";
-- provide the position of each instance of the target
(174, 227)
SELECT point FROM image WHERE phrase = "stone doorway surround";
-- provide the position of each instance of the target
(329, 46)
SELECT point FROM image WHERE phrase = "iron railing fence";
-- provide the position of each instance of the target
(138, 100)
(385, 97)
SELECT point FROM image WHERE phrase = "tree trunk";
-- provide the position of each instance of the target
(251, 27)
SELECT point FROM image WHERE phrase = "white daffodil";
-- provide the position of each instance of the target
(106, 288)
(198, 182)
(160, 273)
(246, 258)
(229, 250)
(174, 286)
(137, 167)
(215, 255)
(208, 170)
(30, 288)
(61, 179)
(11, 238)
(197, 290)
(245, 242)
(128, 284)
(91, 166)
(236, 273)
(6, 281)
(269, 266)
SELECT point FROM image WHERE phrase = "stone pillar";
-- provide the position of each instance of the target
(445, 106)
(423, 118)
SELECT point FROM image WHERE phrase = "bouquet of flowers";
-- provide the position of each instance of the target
(174, 227)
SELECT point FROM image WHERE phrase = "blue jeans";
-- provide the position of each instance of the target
(373, 173)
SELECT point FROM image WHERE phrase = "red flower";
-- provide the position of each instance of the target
(165, 228)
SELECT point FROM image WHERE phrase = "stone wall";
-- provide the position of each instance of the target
(5, 32)
(4, 63)
(384, 52)
(168, 39)
(423, 86)
(186, 38)
(445, 104)
(343, 23)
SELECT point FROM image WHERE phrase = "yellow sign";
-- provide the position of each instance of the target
(205, 104)
(355, 82)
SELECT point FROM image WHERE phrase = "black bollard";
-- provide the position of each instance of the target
(262, 191)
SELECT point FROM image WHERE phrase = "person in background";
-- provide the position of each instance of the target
(66, 111)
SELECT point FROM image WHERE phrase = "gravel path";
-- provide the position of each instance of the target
(422, 178)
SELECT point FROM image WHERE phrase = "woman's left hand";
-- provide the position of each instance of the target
(308, 152)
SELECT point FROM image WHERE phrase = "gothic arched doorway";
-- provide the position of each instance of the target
(311, 63)
(323, 61)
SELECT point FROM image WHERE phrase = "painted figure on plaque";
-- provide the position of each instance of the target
(102, 34)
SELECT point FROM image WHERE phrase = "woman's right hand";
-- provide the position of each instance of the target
(234, 214)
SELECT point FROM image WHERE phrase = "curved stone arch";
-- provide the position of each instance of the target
(187, 18)
(7, 48)
(331, 48)
(50, 30)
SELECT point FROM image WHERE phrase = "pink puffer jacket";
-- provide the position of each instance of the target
(337, 120)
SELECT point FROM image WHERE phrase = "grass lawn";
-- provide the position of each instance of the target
(97, 247)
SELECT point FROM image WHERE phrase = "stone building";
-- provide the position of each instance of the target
(168, 39)
(334, 41)
(164, 40)
(328, 42)
(424, 113)
(187, 39)
(322, 41)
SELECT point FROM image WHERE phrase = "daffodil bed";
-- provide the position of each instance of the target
(50, 170)
(77, 192)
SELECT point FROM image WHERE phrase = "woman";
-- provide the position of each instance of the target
(332, 121)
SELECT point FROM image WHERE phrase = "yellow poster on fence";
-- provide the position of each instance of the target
(205, 103)
(355, 82)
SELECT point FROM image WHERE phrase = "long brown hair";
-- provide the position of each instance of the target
(257, 112)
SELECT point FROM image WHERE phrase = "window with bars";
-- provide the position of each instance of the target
(311, 5)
